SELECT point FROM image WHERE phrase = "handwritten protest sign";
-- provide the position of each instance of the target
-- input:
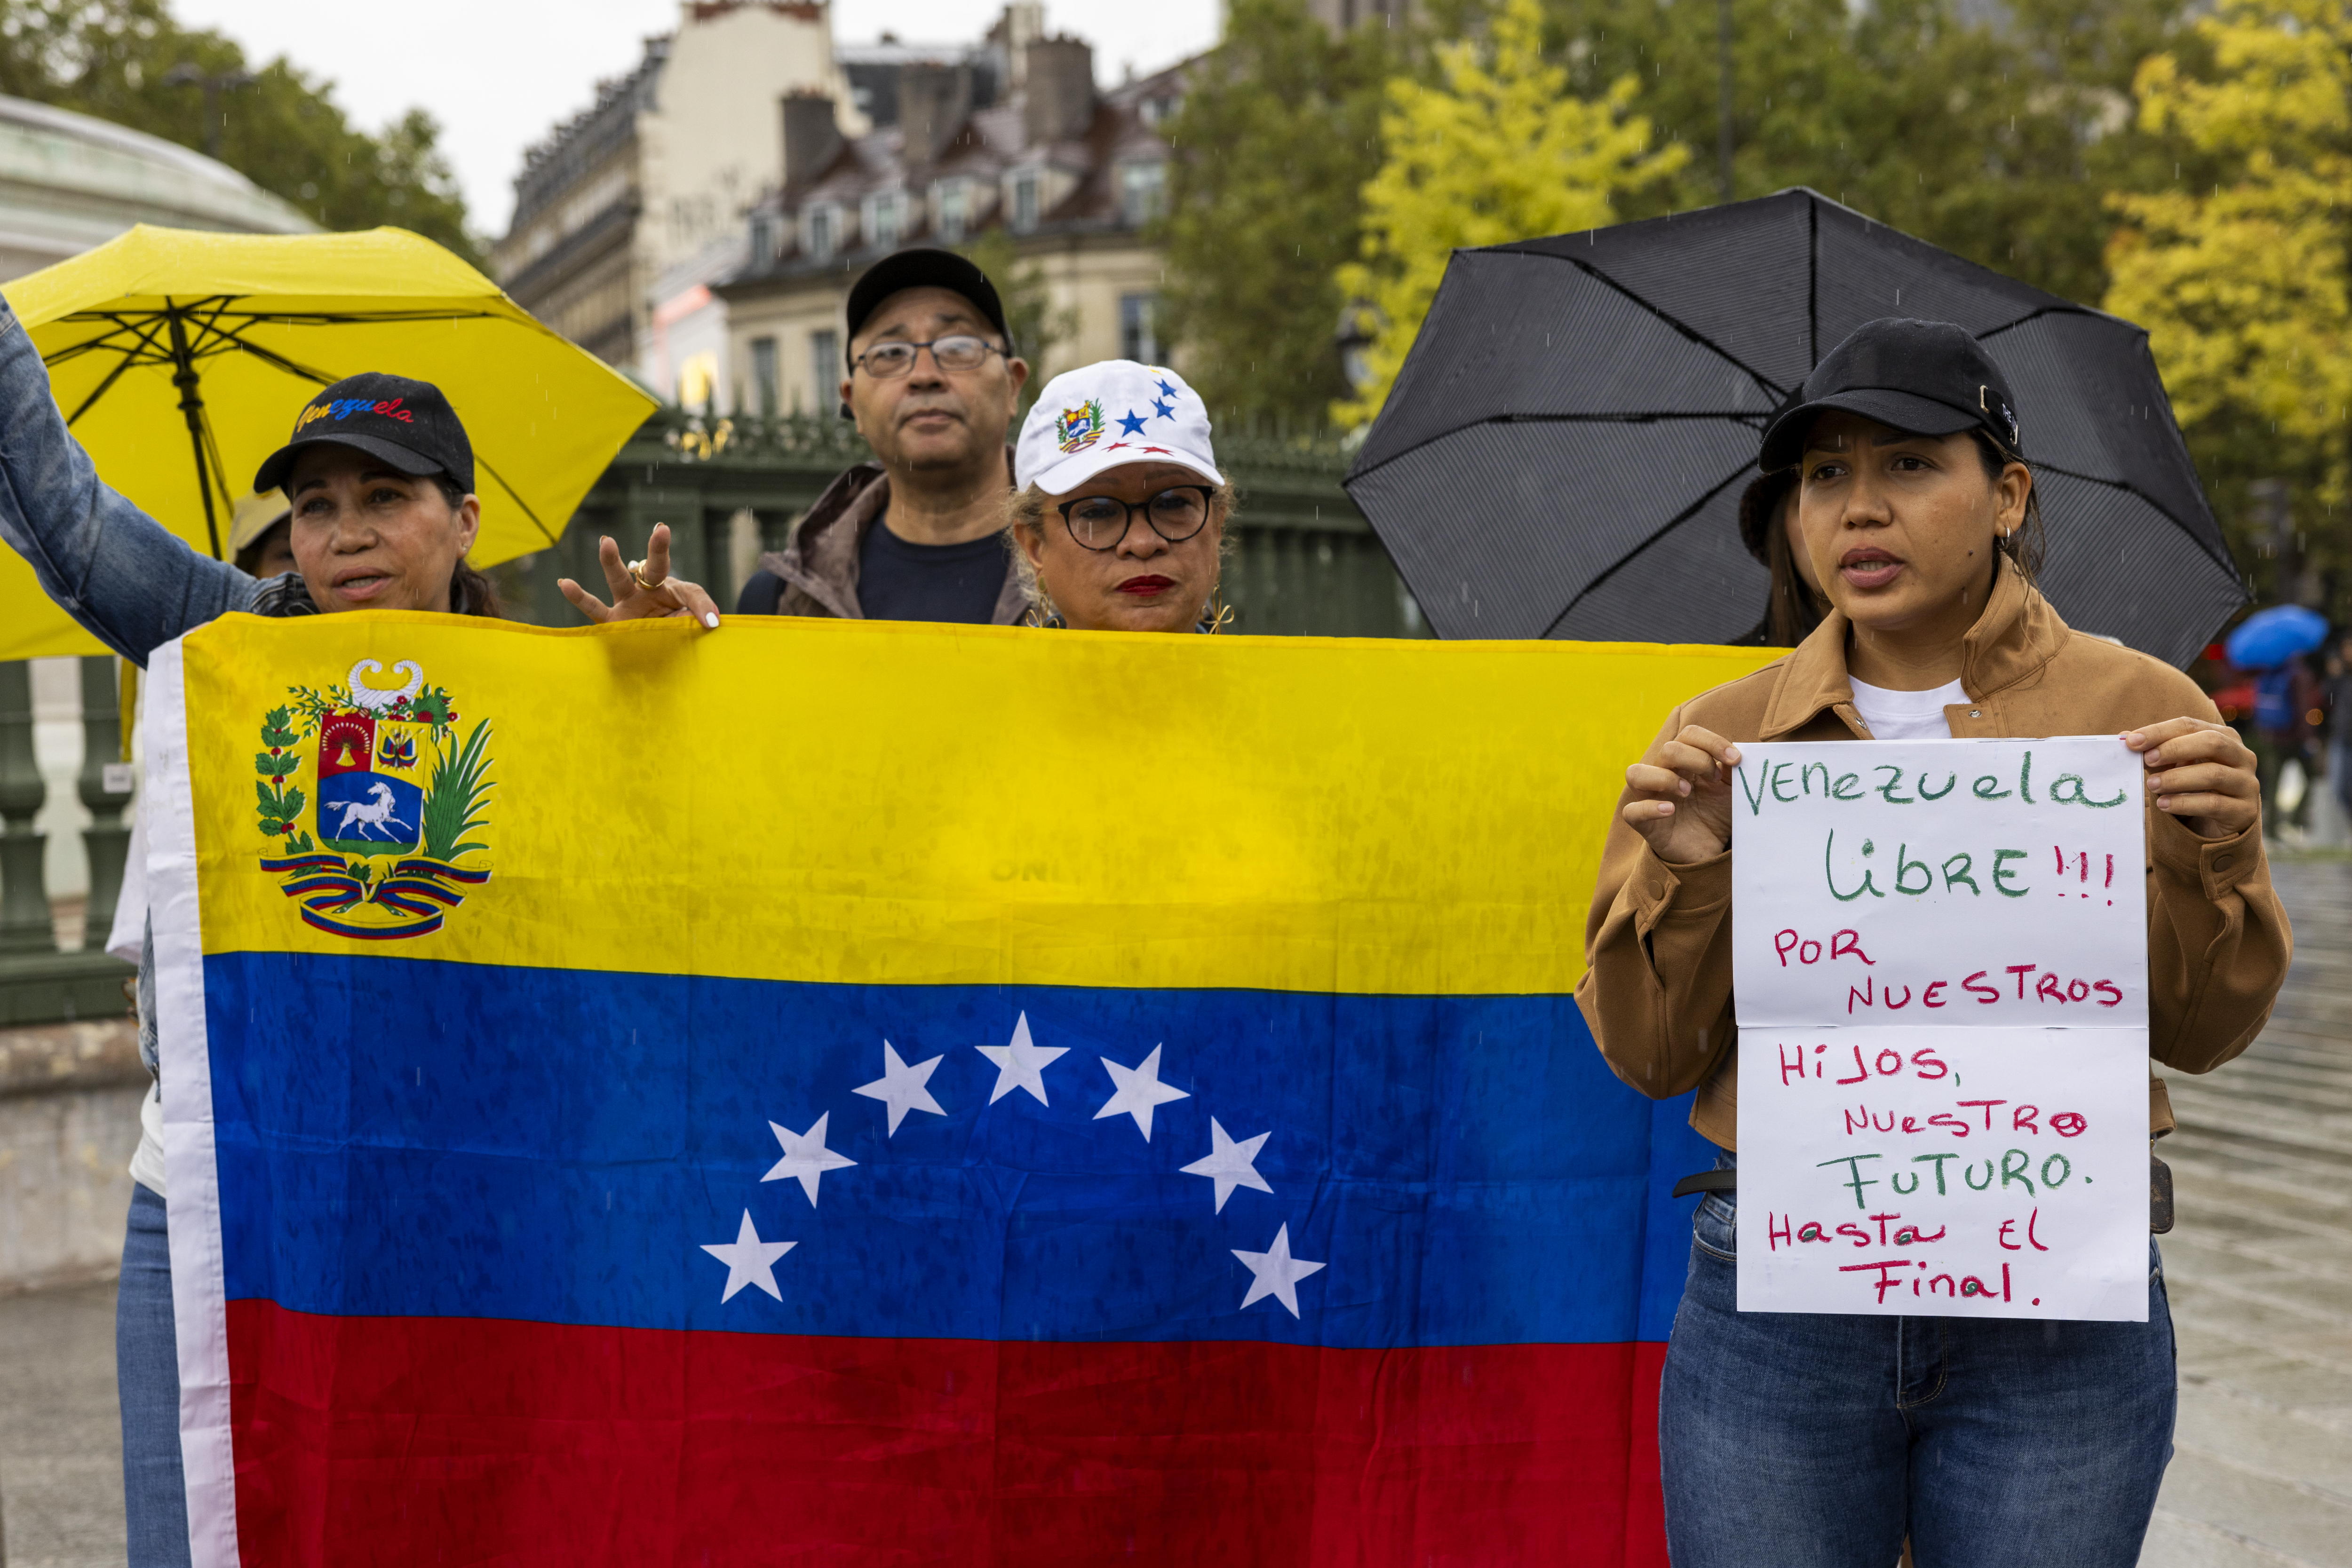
(1939, 961)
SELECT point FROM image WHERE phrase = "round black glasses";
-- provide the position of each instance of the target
(1175, 513)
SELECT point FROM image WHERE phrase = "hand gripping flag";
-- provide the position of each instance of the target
(848, 1094)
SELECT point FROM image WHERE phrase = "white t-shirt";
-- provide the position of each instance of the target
(1906, 716)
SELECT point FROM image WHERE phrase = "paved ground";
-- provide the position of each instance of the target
(2260, 1272)
(60, 1436)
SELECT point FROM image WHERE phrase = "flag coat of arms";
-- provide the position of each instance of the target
(852, 1094)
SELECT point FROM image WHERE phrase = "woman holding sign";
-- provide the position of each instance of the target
(1826, 1438)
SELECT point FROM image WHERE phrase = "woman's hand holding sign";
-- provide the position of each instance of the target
(1682, 802)
(2200, 772)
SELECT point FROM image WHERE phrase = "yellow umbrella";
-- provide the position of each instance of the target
(181, 358)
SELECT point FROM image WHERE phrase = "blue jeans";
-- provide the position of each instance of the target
(1817, 1440)
(147, 1375)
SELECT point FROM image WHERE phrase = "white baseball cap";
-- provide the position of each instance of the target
(1107, 415)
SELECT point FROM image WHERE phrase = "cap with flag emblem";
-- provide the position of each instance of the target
(1107, 415)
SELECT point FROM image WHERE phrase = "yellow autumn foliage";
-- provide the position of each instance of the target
(2242, 286)
(1500, 150)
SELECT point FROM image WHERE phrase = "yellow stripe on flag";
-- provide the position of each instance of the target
(875, 802)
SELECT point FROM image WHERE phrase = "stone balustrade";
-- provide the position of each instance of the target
(70, 1079)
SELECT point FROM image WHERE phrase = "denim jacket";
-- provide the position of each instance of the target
(113, 569)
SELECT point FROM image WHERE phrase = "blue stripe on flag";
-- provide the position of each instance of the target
(407, 1137)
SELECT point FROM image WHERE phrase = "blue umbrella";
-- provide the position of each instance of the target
(2268, 638)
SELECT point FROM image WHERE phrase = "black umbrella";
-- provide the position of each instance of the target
(1564, 449)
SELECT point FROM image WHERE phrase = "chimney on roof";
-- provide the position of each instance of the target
(934, 100)
(1058, 101)
(1023, 24)
(811, 137)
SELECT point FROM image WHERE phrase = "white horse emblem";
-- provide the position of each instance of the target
(377, 815)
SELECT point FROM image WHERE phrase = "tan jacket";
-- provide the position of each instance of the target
(1658, 991)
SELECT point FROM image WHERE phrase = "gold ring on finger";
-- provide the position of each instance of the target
(638, 576)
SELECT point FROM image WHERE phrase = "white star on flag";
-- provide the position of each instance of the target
(900, 1087)
(1230, 1164)
(1139, 1090)
(1022, 1064)
(749, 1260)
(806, 1156)
(1276, 1272)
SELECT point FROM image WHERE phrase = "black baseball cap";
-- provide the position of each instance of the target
(1928, 378)
(406, 423)
(924, 269)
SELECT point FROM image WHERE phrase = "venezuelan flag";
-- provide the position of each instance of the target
(852, 1094)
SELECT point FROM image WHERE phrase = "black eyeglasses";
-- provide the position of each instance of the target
(888, 362)
(1175, 513)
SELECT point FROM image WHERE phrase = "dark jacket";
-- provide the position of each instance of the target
(818, 565)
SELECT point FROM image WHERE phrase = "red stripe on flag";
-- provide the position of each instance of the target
(412, 1440)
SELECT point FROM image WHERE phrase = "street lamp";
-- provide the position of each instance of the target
(189, 74)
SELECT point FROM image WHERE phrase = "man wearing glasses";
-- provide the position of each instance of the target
(915, 535)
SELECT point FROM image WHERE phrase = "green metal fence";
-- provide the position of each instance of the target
(1305, 561)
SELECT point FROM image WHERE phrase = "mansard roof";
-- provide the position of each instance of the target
(989, 144)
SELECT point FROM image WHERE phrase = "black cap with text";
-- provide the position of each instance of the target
(406, 423)
(1926, 378)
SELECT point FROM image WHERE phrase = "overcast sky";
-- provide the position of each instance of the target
(497, 73)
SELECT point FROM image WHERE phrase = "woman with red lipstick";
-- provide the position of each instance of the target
(1118, 510)
(1816, 1438)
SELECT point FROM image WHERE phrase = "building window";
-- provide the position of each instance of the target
(821, 235)
(763, 375)
(884, 219)
(825, 363)
(763, 239)
(1142, 191)
(1024, 201)
(954, 199)
(1156, 111)
(1139, 338)
(698, 381)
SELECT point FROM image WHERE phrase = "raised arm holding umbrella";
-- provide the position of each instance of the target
(178, 359)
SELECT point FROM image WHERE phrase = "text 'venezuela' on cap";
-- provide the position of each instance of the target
(923, 268)
(1107, 415)
(1928, 378)
(406, 423)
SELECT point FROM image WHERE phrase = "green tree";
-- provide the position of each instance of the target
(2241, 279)
(1498, 150)
(283, 131)
(1978, 138)
(1029, 314)
(1279, 134)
